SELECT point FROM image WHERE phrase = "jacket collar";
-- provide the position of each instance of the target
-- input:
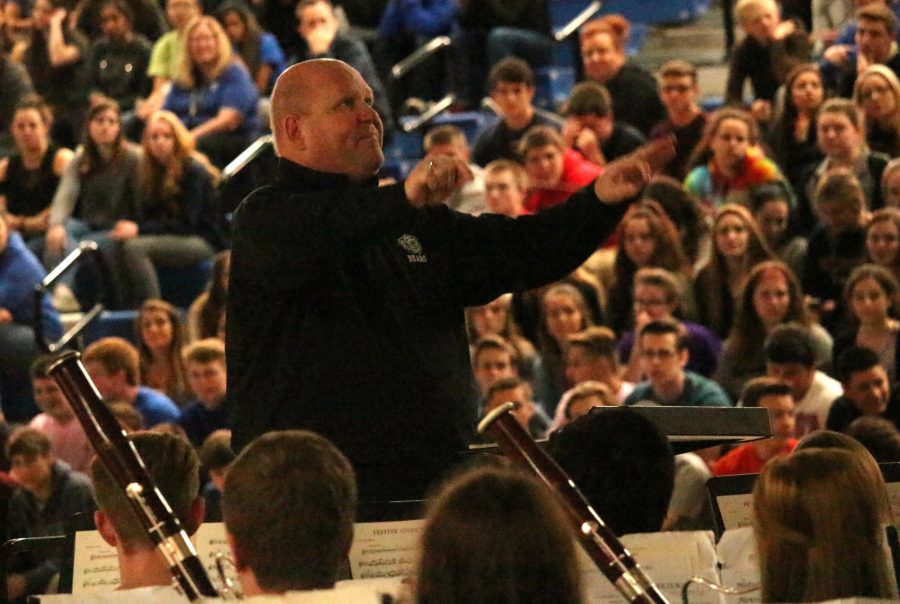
(292, 176)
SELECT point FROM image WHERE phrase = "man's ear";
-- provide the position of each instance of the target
(293, 130)
(195, 515)
(685, 357)
(235, 552)
(105, 528)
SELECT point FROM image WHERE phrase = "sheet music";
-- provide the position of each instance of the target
(669, 559)
(740, 564)
(736, 510)
(209, 541)
(96, 564)
(384, 549)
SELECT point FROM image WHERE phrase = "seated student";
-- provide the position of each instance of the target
(790, 356)
(174, 467)
(578, 400)
(678, 90)
(450, 141)
(113, 365)
(664, 354)
(810, 552)
(591, 356)
(205, 368)
(505, 188)
(159, 331)
(516, 390)
(555, 172)
(511, 82)
(305, 489)
(49, 493)
(591, 128)
(659, 294)
(258, 49)
(495, 319)
(877, 93)
(875, 36)
(771, 48)
(623, 465)
(57, 421)
(878, 435)
(487, 533)
(493, 358)
(216, 458)
(837, 245)
(771, 207)
(749, 458)
(866, 390)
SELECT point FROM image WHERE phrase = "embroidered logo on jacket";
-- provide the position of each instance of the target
(412, 247)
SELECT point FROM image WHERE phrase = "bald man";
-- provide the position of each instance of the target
(345, 311)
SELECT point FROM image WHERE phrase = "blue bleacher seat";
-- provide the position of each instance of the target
(181, 286)
(111, 323)
(552, 86)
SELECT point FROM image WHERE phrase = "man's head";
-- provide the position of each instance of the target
(790, 356)
(448, 141)
(839, 200)
(31, 462)
(678, 87)
(774, 395)
(493, 358)
(289, 505)
(864, 379)
(315, 15)
(623, 464)
(580, 399)
(204, 362)
(47, 395)
(512, 390)
(876, 29)
(590, 106)
(591, 355)
(216, 456)
(543, 150)
(114, 366)
(511, 82)
(323, 119)
(664, 353)
(175, 470)
(758, 18)
(181, 12)
(506, 187)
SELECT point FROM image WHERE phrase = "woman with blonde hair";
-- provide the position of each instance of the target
(877, 93)
(176, 219)
(160, 335)
(213, 93)
(564, 312)
(738, 246)
(496, 536)
(819, 517)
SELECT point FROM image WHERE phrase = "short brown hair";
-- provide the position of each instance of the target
(215, 453)
(540, 136)
(305, 489)
(667, 326)
(840, 186)
(760, 387)
(598, 341)
(678, 68)
(172, 464)
(445, 134)
(115, 354)
(520, 176)
(204, 351)
(28, 442)
(879, 11)
(511, 70)
(589, 98)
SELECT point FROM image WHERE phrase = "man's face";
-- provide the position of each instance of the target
(341, 131)
(503, 194)
(873, 40)
(113, 22)
(761, 21)
(207, 380)
(32, 472)
(491, 365)
(110, 385)
(582, 366)
(602, 127)
(454, 150)
(869, 390)
(50, 399)
(797, 376)
(781, 415)
(661, 359)
(678, 93)
(544, 166)
(514, 98)
(179, 12)
(519, 396)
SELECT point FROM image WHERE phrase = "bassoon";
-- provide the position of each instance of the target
(610, 556)
(122, 461)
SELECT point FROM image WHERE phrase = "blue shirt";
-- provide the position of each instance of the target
(233, 89)
(20, 272)
(270, 54)
(199, 422)
(698, 392)
(156, 407)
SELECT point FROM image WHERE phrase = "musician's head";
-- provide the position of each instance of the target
(820, 530)
(173, 465)
(622, 463)
(289, 505)
(497, 535)
(323, 118)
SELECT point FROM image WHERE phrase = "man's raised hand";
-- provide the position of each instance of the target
(625, 177)
(434, 179)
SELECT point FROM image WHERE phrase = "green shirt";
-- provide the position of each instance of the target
(166, 56)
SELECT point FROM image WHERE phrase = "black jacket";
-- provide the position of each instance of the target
(345, 311)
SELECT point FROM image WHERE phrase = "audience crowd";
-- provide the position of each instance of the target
(761, 268)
